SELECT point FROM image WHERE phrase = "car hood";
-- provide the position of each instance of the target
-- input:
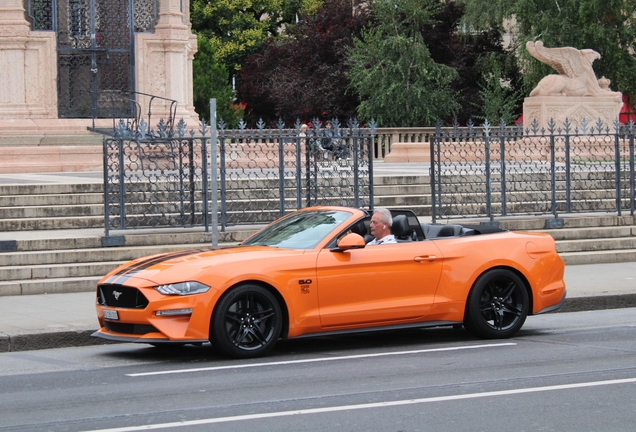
(188, 265)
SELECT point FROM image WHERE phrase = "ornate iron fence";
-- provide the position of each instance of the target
(155, 179)
(264, 173)
(501, 171)
(162, 178)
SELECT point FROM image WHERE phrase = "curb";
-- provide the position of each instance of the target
(592, 303)
(66, 339)
(39, 341)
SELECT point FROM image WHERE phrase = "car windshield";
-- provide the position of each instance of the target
(300, 230)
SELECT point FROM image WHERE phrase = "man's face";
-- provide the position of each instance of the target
(377, 226)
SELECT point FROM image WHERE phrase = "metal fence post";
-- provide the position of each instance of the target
(617, 156)
(632, 199)
(568, 172)
(299, 171)
(122, 185)
(222, 174)
(370, 142)
(434, 144)
(308, 167)
(213, 177)
(487, 169)
(502, 152)
(353, 133)
(106, 194)
(553, 174)
(205, 167)
(281, 168)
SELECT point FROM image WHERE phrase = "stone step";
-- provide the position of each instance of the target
(516, 223)
(424, 190)
(52, 223)
(599, 257)
(406, 201)
(52, 200)
(85, 255)
(51, 211)
(419, 204)
(48, 286)
(592, 245)
(602, 232)
(401, 180)
(93, 240)
(74, 216)
(51, 271)
(51, 189)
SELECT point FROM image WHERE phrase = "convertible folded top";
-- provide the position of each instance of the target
(407, 227)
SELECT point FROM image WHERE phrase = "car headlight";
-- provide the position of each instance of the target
(182, 288)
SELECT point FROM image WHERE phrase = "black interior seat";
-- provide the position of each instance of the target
(361, 229)
(436, 230)
(401, 228)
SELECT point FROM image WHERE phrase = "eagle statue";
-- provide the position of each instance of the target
(576, 75)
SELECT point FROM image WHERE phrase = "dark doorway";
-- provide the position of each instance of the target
(95, 51)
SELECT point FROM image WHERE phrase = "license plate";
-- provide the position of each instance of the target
(111, 314)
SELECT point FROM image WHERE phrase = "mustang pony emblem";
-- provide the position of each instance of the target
(116, 294)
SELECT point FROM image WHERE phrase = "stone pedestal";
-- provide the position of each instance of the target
(406, 144)
(573, 108)
(409, 152)
(164, 64)
(32, 137)
(27, 66)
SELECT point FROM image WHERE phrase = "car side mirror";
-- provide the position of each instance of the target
(350, 241)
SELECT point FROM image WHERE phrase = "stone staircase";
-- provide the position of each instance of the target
(51, 235)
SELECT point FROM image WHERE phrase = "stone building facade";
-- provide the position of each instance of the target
(69, 65)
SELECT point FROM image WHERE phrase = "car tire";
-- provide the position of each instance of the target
(497, 305)
(246, 322)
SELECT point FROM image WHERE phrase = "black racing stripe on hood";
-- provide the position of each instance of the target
(124, 274)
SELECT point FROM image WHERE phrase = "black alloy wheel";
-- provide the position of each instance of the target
(497, 305)
(246, 322)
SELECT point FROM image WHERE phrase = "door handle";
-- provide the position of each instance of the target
(429, 258)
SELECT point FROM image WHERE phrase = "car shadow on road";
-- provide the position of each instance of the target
(346, 344)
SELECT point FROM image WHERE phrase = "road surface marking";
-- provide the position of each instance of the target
(316, 360)
(369, 405)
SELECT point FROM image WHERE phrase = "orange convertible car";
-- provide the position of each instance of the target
(310, 273)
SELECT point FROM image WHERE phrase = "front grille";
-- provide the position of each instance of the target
(138, 329)
(120, 296)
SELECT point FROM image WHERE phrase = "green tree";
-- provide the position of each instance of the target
(302, 75)
(392, 71)
(237, 28)
(606, 26)
(211, 80)
(498, 98)
(473, 55)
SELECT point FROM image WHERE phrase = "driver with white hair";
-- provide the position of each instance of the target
(380, 227)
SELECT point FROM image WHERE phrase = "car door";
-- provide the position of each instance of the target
(383, 283)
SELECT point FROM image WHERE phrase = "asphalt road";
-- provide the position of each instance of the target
(567, 371)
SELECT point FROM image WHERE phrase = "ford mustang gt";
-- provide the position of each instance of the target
(311, 273)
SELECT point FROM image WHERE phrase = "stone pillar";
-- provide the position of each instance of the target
(28, 69)
(164, 63)
(574, 108)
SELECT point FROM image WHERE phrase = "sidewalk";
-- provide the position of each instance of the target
(62, 320)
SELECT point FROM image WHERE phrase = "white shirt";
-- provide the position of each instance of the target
(384, 240)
